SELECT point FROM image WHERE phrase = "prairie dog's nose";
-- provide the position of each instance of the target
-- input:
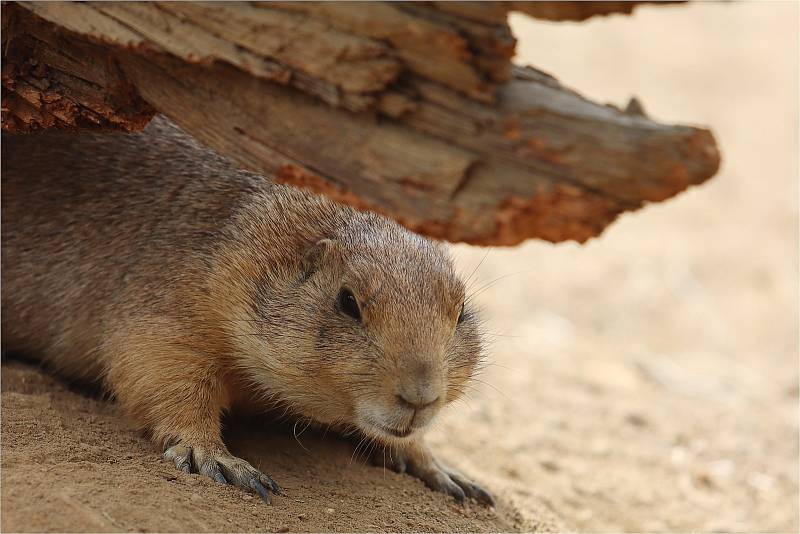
(419, 390)
(417, 402)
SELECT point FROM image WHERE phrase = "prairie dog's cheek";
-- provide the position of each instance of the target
(323, 338)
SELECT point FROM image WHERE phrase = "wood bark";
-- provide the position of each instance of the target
(409, 109)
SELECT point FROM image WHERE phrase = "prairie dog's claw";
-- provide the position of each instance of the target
(181, 456)
(419, 462)
(271, 484)
(259, 488)
(471, 489)
(223, 467)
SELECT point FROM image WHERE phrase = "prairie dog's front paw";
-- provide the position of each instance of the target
(418, 461)
(214, 461)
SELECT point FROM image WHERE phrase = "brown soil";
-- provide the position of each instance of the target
(649, 380)
(71, 463)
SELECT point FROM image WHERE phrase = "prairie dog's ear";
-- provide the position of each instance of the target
(314, 256)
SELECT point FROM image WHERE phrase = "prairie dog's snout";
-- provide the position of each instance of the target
(415, 396)
(419, 387)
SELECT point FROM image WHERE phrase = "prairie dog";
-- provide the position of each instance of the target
(188, 288)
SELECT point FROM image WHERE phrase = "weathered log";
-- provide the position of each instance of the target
(52, 80)
(413, 110)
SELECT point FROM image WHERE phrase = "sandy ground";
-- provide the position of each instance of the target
(645, 382)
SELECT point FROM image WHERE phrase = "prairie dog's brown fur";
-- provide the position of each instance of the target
(189, 288)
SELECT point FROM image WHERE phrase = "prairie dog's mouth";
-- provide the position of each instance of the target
(387, 431)
(395, 432)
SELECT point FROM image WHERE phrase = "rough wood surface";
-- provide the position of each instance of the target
(410, 109)
(51, 80)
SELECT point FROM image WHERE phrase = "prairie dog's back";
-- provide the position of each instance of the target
(121, 216)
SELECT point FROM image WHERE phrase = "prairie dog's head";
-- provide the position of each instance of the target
(371, 331)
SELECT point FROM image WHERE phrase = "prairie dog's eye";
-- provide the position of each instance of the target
(461, 314)
(348, 304)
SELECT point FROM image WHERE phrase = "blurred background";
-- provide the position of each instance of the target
(648, 381)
